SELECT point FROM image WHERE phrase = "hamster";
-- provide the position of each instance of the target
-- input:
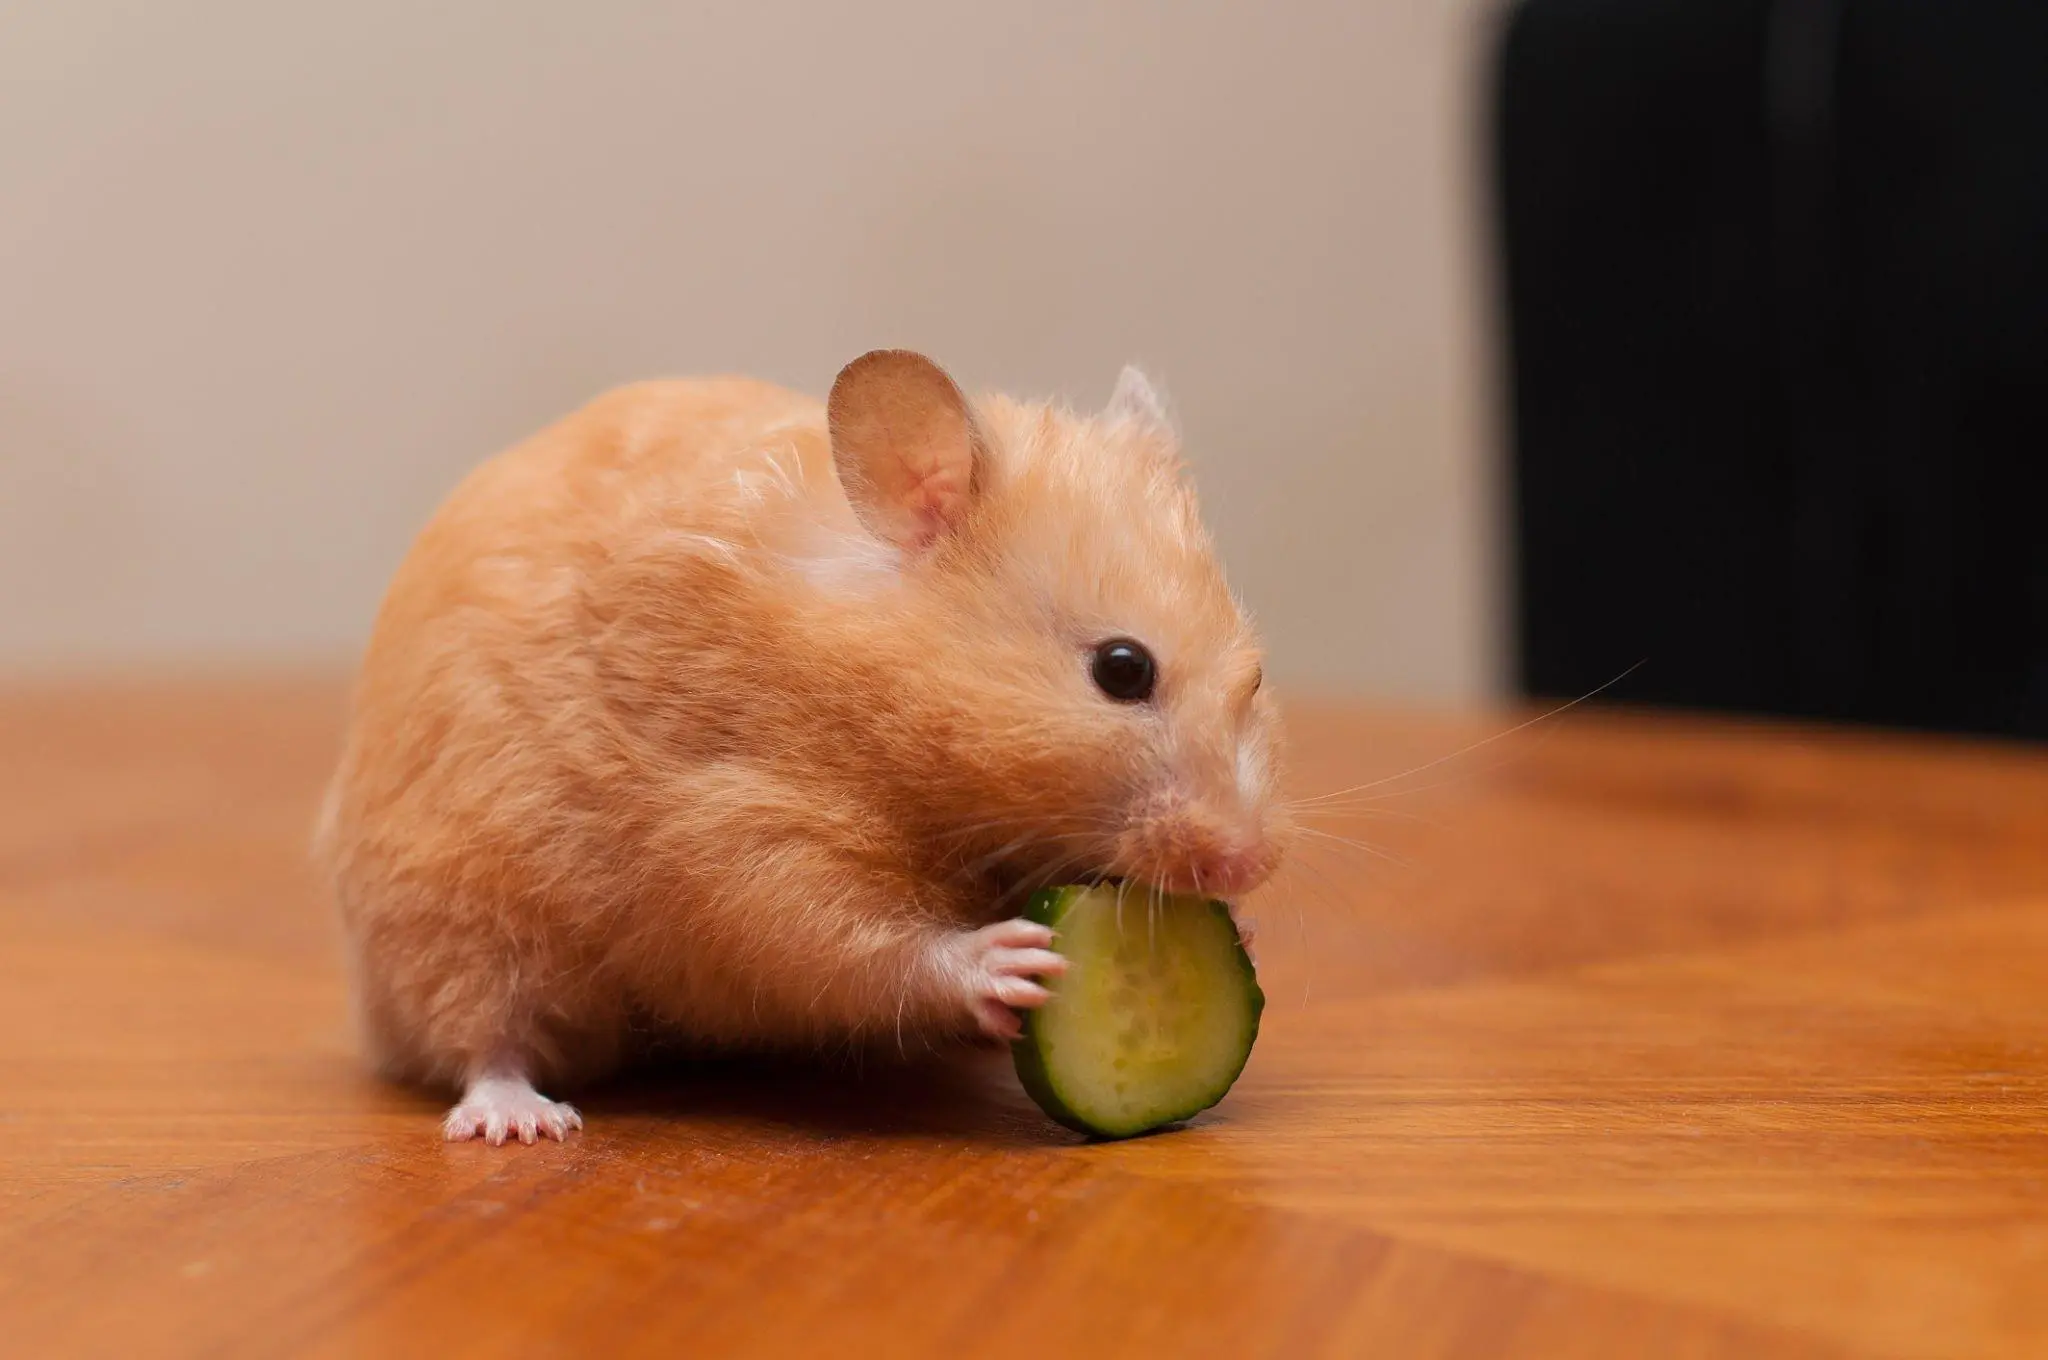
(717, 717)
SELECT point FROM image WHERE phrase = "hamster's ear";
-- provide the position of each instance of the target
(1137, 401)
(905, 446)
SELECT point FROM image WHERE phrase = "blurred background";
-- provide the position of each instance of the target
(275, 276)
(1514, 345)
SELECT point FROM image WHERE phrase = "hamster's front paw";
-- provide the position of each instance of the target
(495, 1108)
(997, 966)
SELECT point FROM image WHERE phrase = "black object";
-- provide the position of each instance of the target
(1124, 670)
(1775, 275)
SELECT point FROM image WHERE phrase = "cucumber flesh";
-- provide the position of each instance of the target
(1154, 1018)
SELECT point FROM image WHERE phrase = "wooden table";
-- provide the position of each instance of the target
(1631, 1037)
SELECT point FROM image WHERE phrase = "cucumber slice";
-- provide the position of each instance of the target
(1154, 1018)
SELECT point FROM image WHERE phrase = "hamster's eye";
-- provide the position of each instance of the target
(1125, 671)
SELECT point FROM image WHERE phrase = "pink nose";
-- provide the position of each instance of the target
(1225, 870)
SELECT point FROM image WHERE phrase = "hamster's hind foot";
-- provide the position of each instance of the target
(498, 1107)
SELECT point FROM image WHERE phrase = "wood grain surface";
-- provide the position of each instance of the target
(1615, 1036)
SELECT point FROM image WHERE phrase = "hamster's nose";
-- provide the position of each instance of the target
(1186, 849)
(1226, 868)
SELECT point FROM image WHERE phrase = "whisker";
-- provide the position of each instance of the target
(1366, 846)
(1031, 831)
(1334, 895)
(1480, 744)
(1032, 883)
(989, 861)
(1308, 958)
(1368, 808)
(1030, 825)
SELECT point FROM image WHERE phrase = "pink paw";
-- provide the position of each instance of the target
(1247, 934)
(998, 966)
(495, 1108)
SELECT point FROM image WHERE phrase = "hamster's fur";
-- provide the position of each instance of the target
(719, 715)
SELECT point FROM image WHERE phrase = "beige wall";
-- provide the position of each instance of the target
(272, 276)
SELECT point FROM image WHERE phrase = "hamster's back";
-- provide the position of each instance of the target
(471, 633)
(507, 535)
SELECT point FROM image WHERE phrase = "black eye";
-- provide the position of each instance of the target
(1125, 670)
